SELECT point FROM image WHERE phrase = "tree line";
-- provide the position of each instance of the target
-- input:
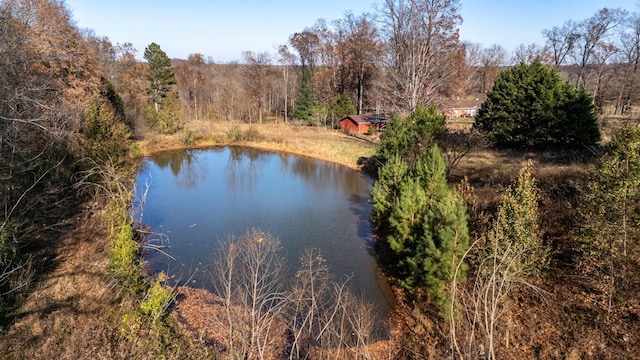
(402, 54)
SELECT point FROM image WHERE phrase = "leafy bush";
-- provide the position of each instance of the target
(157, 300)
(411, 137)
(531, 105)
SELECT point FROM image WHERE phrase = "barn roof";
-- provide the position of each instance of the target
(367, 119)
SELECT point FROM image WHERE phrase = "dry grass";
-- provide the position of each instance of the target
(74, 310)
(320, 143)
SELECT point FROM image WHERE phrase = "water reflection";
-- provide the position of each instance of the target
(184, 166)
(243, 167)
(199, 197)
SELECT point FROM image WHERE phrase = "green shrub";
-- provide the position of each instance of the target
(125, 253)
(107, 136)
(516, 231)
(532, 105)
(157, 300)
(134, 150)
(8, 245)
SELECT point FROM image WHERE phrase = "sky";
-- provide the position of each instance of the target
(221, 29)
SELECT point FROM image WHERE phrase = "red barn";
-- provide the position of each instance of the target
(361, 123)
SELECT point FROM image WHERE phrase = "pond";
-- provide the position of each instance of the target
(196, 198)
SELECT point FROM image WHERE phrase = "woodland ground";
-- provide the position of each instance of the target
(74, 308)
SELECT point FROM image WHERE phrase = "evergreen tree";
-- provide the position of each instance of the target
(165, 112)
(516, 231)
(107, 136)
(340, 107)
(426, 223)
(161, 76)
(531, 105)
(305, 98)
(610, 214)
(412, 136)
(386, 190)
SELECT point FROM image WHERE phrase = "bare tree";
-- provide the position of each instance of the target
(469, 70)
(422, 40)
(190, 79)
(492, 60)
(528, 53)
(286, 60)
(561, 41)
(592, 33)
(258, 68)
(248, 275)
(458, 143)
(359, 50)
(629, 58)
(326, 319)
(307, 44)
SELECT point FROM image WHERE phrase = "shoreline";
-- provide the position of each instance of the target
(310, 142)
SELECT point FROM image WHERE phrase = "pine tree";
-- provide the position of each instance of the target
(161, 76)
(165, 113)
(305, 98)
(340, 107)
(427, 225)
(610, 214)
(386, 190)
(412, 136)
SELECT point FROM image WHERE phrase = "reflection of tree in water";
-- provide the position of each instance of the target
(184, 166)
(321, 175)
(242, 174)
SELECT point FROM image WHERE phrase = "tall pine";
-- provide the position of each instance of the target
(426, 225)
(164, 115)
(161, 76)
(305, 98)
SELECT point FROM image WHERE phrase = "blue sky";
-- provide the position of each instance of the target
(222, 30)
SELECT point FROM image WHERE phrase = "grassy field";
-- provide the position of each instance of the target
(320, 143)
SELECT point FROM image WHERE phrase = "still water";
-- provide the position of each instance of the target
(195, 198)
